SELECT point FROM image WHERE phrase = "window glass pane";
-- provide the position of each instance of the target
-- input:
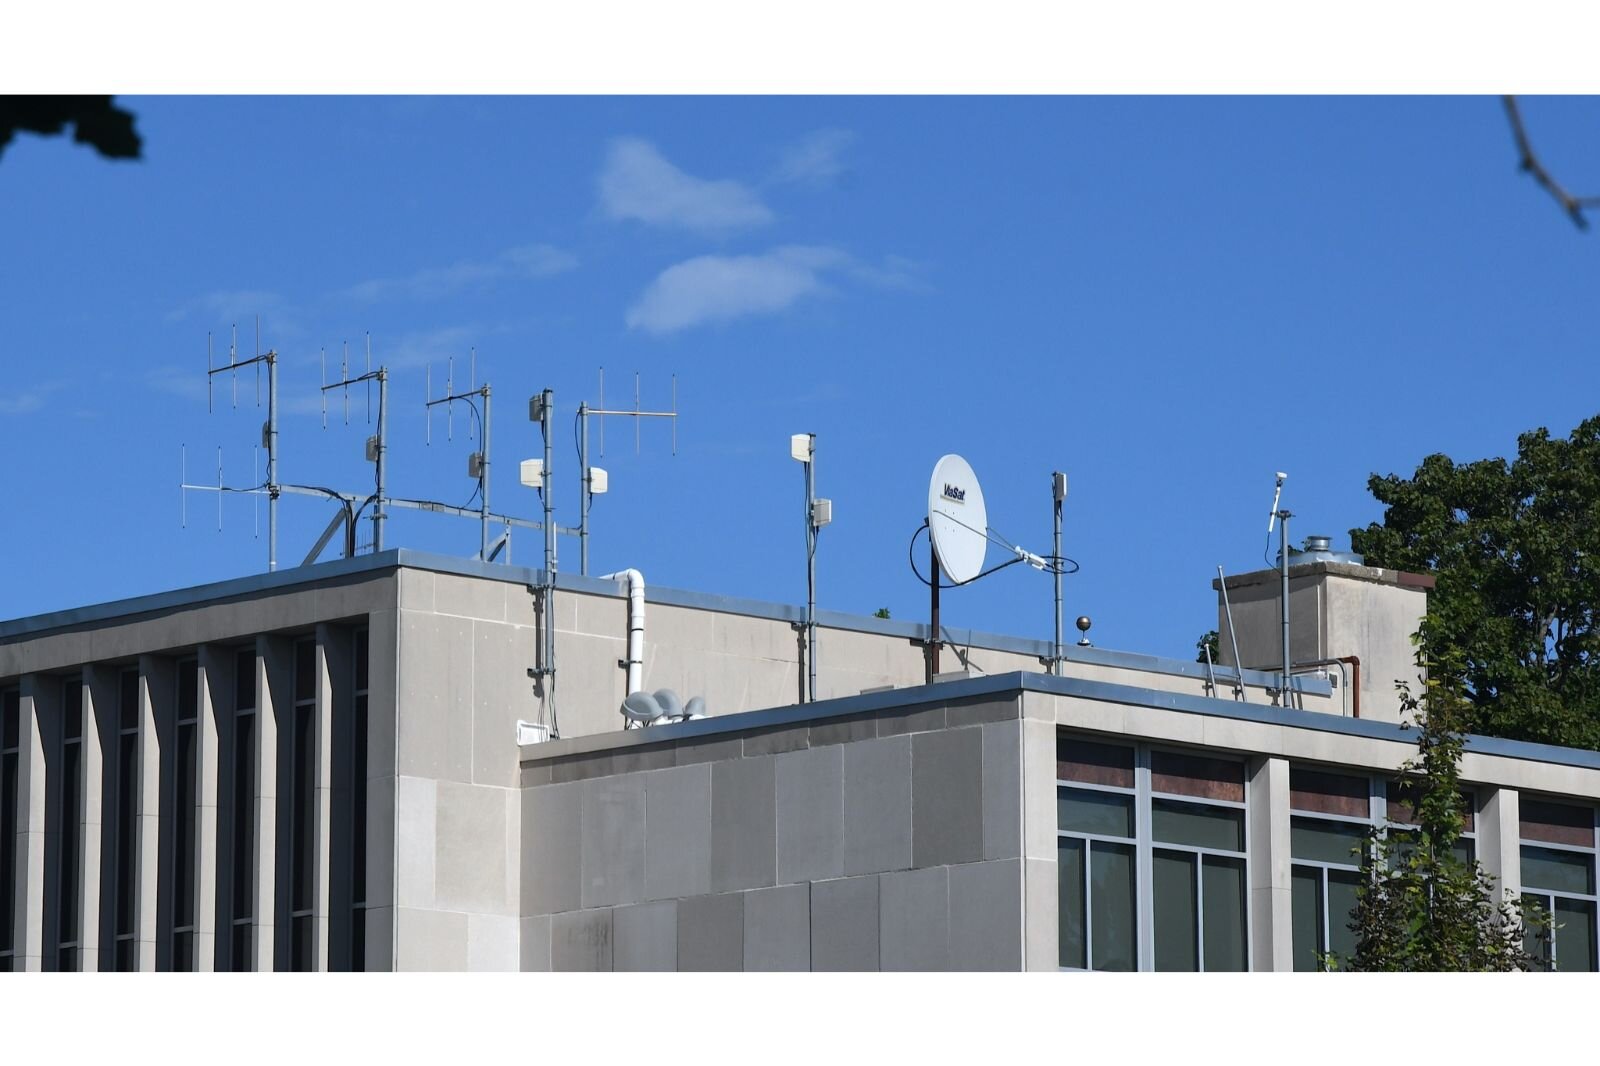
(128, 701)
(188, 690)
(10, 719)
(243, 956)
(1177, 924)
(1197, 824)
(1557, 823)
(183, 952)
(127, 830)
(1105, 813)
(361, 660)
(244, 680)
(304, 785)
(1070, 919)
(244, 823)
(72, 708)
(1306, 882)
(184, 816)
(1533, 942)
(1222, 884)
(1321, 841)
(358, 815)
(305, 670)
(1575, 936)
(1094, 763)
(1318, 790)
(1112, 886)
(8, 845)
(71, 816)
(67, 960)
(1560, 871)
(1197, 775)
(1342, 886)
(127, 955)
(301, 952)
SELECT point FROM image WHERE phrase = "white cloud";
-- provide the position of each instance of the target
(816, 159)
(638, 183)
(712, 288)
(29, 400)
(528, 262)
(430, 346)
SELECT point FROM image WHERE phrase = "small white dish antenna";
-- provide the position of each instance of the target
(958, 522)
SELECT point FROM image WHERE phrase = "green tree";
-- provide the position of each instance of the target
(1515, 548)
(1207, 640)
(1423, 905)
(95, 121)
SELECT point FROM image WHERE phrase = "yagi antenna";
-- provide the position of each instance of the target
(269, 432)
(478, 461)
(593, 479)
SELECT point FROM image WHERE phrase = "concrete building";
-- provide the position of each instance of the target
(347, 766)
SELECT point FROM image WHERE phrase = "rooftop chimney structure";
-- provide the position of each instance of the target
(1348, 620)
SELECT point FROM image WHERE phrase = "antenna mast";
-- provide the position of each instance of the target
(594, 479)
(269, 430)
(1282, 517)
(478, 461)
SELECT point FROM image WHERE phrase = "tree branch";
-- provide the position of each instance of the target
(1573, 205)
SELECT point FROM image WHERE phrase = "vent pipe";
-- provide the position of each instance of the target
(635, 660)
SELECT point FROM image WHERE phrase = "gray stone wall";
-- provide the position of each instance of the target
(885, 841)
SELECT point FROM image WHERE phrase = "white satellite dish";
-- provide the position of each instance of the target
(958, 522)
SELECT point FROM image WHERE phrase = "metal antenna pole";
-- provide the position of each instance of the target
(378, 515)
(811, 571)
(272, 460)
(1233, 635)
(933, 657)
(583, 496)
(1283, 567)
(547, 417)
(483, 474)
(1058, 484)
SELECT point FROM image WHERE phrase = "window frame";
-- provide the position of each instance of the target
(1145, 845)
(1548, 896)
(1377, 817)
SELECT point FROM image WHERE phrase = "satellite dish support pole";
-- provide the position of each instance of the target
(933, 636)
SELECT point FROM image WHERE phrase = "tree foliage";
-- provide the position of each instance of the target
(95, 120)
(1208, 642)
(1515, 548)
(1422, 906)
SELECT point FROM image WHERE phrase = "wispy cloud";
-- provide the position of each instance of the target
(427, 346)
(637, 182)
(240, 307)
(27, 401)
(817, 158)
(526, 263)
(715, 288)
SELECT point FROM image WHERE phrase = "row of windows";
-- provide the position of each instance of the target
(1131, 816)
(131, 723)
(1154, 860)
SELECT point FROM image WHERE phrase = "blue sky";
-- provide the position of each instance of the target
(1169, 298)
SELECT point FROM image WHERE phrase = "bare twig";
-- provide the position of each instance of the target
(1573, 205)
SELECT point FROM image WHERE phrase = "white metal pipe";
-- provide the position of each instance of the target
(635, 659)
